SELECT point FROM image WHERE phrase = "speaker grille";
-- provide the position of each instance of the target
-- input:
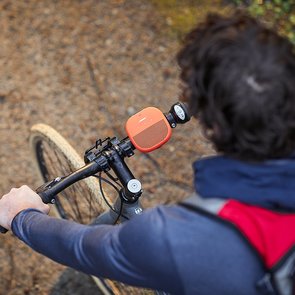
(152, 136)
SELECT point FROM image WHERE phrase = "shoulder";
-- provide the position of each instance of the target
(154, 231)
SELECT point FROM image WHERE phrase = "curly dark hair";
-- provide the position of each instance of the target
(239, 81)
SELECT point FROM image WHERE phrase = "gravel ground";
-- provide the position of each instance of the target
(84, 67)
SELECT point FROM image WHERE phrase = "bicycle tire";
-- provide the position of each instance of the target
(44, 138)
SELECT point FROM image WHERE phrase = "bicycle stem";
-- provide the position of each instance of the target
(131, 187)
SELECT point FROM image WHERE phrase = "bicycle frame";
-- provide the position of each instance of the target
(128, 211)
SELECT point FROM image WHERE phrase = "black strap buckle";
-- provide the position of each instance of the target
(265, 285)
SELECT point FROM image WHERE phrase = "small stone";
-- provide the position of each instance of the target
(2, 98)
(131, 111)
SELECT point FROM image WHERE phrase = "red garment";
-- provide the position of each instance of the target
(271, 233)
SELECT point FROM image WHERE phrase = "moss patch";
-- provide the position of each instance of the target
(182, 15)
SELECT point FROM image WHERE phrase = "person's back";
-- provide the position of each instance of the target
(238, 80)
(209, 257)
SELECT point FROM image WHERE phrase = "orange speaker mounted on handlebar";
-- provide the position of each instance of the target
(148, 129)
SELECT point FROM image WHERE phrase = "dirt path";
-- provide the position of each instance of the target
(83, 67)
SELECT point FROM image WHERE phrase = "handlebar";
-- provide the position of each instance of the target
(98, 158)
(110, 153)
(50, 189)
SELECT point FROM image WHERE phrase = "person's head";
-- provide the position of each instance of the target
(239, 81)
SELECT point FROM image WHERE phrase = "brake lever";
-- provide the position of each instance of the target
(41, 190)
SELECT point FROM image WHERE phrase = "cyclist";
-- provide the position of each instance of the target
(239, 81)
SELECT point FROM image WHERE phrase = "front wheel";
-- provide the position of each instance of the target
(81, 202)
(55, 157)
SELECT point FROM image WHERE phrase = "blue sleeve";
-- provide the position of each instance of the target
(131, 252)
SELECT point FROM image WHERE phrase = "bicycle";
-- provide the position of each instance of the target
(147, 130)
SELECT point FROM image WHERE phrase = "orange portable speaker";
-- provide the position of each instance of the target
(148, 129)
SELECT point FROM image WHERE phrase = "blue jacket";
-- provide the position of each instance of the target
(170, 247)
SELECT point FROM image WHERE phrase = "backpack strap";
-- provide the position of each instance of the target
(211, 207)
(279, 278)
(284, 273)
